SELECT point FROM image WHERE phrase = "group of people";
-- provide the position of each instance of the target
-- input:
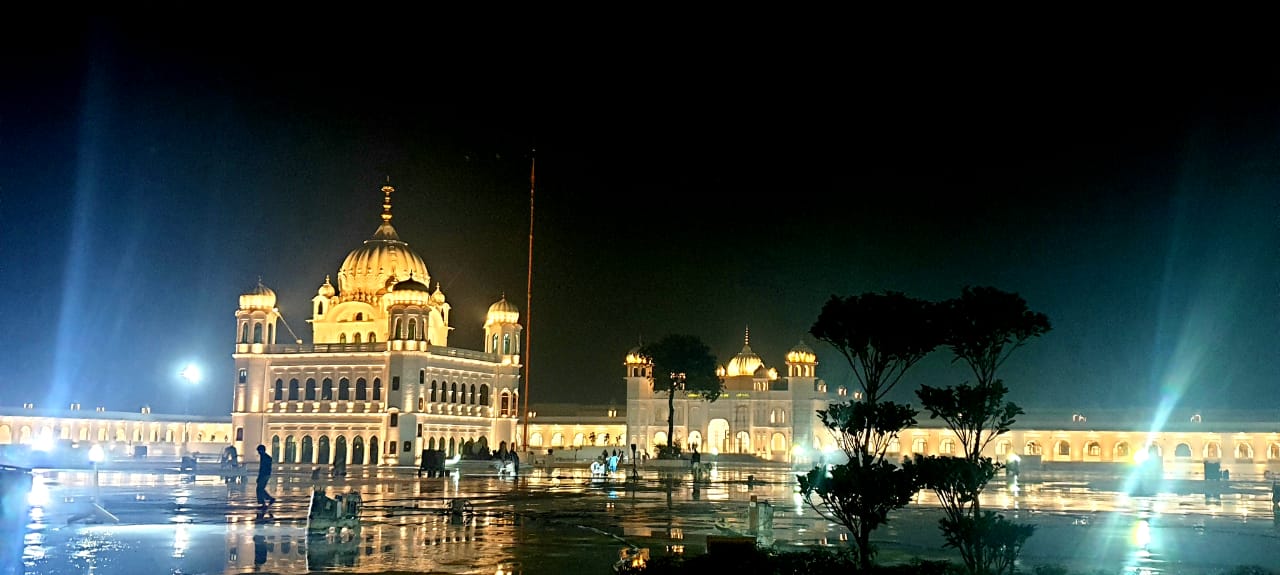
(605, 464)
(508, 463)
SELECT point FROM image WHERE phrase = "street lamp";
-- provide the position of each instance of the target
(192, 374)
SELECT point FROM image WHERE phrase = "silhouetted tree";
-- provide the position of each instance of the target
(880, 335)
(982, 327)
(682, 363)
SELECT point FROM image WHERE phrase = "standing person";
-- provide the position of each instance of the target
(515, 464)
(264, 474)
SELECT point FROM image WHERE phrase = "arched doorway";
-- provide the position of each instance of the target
(742, 442)
(290, 449)
(340, 449)
(695, 439)
(322, 455)
(275, 448)
(308, 450)
(357, 451)
(717, 435)
(373, 450)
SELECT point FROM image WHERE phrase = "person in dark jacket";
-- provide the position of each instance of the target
(264, 475)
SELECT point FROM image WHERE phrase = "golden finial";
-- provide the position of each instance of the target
(747, 340)
(386, 201)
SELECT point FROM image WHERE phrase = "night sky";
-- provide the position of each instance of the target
(149, 175)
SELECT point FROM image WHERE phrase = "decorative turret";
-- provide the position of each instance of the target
(801, 361)
(256, 319)
(502, 330)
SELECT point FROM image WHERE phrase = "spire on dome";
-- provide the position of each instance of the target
(386, 201)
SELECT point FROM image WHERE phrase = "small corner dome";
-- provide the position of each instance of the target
(410, 285)
(326, 290)
(634, 357)
(502, 311)
(260, 297)
(801, 353)
(438, 297)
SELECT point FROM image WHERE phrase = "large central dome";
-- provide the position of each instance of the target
(383, 259)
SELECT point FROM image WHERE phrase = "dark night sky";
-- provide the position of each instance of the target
(697, 185)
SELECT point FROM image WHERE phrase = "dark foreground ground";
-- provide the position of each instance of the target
(560, 520)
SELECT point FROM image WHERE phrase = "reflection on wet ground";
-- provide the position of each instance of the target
(561, 520)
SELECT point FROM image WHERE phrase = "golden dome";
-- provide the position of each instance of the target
(438, 297)
(382, 260)
(260, 297)
(326, 290)
(801, 353)
(502, 312)
(635, 358)
(745, 363)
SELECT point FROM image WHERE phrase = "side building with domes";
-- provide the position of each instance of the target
(379, 382)
(760, 412)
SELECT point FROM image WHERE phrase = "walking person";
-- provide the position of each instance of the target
(264, 475)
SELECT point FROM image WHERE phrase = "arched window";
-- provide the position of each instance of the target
(395, 419)
(1182, 450)
(1033, 448)
(471, 396)
(279, 395)
(270, 333)
(275, 448)
(342, 338)
(399, 330)
(1003, 446)
(344, 389)
(453, 392)
(359, 316)
(433, 390)
(377, 389)
(484, 394)
(293, 389)
(947, 447)
(1121, 450)
(257, 333)
(1244, 451)
(577, 439)
(778, 443)
(493, 344)
(1092, 449)
(244, 333)
(422, 376)
(535, 439)
(506, 343)
(557, 439)
(308, 451)
(421, 404)
(373, 337)
(362, 389)
(320, 308)
(413, 329)
(504, 405)
(1063, 448)
(1212, 451)
(311, 389)
(355, 337)
(322, 451)
(1273, 451)
(326, 391)
(659, 438)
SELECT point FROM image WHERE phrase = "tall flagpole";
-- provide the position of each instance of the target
(528, 304)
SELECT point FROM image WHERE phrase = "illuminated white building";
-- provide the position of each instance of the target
(759, 413)
(379, 382)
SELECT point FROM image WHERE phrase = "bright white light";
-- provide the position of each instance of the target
(797, 450)
(191, 373)
(1013, 458)
(1140, 456)
(44, 441)
(453, 460)
(714, 451)
(96, 454)
(39, 494)
(1142, 534)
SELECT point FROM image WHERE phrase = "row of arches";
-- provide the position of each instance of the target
(27, 435)
(725, 442)
(1062, 450)
(453, 393)
(324, 451)
(325, 391)
(257, 332)
(355, 337)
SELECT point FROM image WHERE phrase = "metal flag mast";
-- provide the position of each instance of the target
(528, 305)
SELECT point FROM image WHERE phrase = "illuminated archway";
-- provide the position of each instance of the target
(535, 439)
(717, 435)
(322, 452)
(1033, 448)
(1212, 450)
(1182, 451)
(1244, 451)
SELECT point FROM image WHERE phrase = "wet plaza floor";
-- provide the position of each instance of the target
(560, 520)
